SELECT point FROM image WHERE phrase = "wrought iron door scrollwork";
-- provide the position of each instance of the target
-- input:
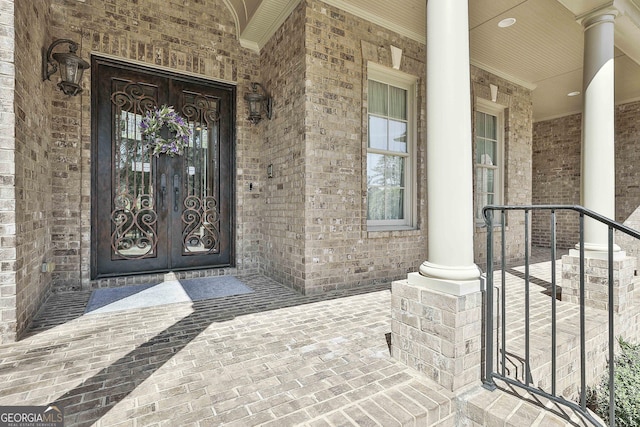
(134, 236)
(133, 219)
(201, 222)
(133, 99)
(201, 109)
(201, 216)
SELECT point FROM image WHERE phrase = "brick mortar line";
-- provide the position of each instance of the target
(371, 397)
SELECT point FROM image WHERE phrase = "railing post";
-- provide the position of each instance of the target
(489, 383)
(554, 325)
(583, 344)
(612, 405)
(503, 295)
(527, 308)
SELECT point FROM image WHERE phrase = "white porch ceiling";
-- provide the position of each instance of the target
(542, 51)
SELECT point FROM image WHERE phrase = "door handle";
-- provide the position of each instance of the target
(176, 191)
(163, 189)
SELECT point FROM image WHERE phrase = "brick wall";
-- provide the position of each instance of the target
(556, 159)
(628, 173)
(556, 177)
(518, 118)
(283, 147)
(8, 263)
(339, 250)
(199, 39)
(30, 236)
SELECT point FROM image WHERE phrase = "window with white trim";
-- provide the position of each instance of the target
(489, 147)
(390, 148)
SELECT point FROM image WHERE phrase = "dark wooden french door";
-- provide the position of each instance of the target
(159, 213)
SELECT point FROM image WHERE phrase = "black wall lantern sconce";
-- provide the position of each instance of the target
(71, 66)
(258, 102)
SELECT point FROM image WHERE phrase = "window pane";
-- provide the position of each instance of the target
(395, 171)
(484, 201)
(377, 101)
(375, 169)
(395, 203)
(490, 131)
(480, 124)
(375, 203)
(490, 181)
(397, 103)
(397, 136)
(485, 155)
(490, 150)
(378, 133)
(479, 150)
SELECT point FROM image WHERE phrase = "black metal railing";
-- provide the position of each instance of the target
(491, 373)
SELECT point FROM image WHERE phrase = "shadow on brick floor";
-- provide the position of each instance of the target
(93, 398)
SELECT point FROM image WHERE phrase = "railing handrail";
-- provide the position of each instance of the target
(490, 375)
(577, 208)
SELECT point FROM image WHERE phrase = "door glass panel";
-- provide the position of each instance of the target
(133, 216)
(200, 205)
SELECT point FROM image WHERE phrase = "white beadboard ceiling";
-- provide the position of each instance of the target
(542, 51)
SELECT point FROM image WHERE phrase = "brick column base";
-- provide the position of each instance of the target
(597, 279)
(437, 334)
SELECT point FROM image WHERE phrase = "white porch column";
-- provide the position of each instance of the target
(598, 175)
(436, 313)
(598, 155)
(449, 268)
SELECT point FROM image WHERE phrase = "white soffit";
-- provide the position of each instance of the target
(546, 41)
(550, 97)
(627, 28)
(266, 18)
(481, 11)
(582, 7)
(627, 78)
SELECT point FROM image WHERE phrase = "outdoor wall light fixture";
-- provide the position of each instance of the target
(71, 66)
(258, 102)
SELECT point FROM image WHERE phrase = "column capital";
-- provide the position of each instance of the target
(599, 16)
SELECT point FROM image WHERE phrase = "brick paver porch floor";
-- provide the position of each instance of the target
(272, 358)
